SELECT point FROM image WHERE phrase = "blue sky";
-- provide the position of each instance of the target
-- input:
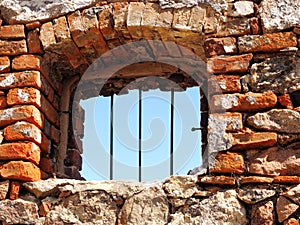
(155, 135)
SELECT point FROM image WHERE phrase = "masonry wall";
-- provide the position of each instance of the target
(250, 104)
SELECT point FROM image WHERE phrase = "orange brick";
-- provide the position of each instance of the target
(225, 84)
(27, 62)
(13, 47)
(12, 32)
(220, 180)
(3, 102)
(220, 46)
(20, 150)
(229, 162)
(253, 140)
(255, 26)
(32, 96)
(266, 42)
(24, 131)
(33, 25)
(248, 102)
(4, 64)
(19, 170)
(229, 64)
(34, 43)
(27, 113)
(287, 179)
(255, 180)
(285, 101)
(21, 79)
(14, 190)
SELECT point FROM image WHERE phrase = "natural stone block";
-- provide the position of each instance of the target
(219, 180)
(106, 22)
(230, 121)
(229, 162)
(248, 102)
(19, 170)
(220, 46)
(180, 186)
(12, 32)
(224, 84)
(285, 101)
(256, 180)
(24, 131)
(287, 180)
(14, 190)
(47, 36)
(229, 64)
(134, 18)
(291, 221)
(61, 29)
(21, 113)
(272, 121)
(254, 195)
(266, 42)
(241, 9)
(4, 186)
(8, 48)
(293, 194)
(120, 15)
(285, 139)
(4, 64)
(285, 208)
(233, 27)
(275, 162)
(20, 150)
(279, 15)
(262, 213)
(27, 62)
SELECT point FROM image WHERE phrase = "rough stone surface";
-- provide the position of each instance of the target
(219, 180)
(222, 208)
(279, 14)
(220, 46)
(279, 74)
(18, 212)
(285, 139)
(292, 221)
(275, 162)
(293, 194)
(285, 208)
(231, 121)
(4, 186)
(273, 121)
(19, 170)
(229, 162)
(256, 180)
(225, 84)
(148, 207)
(254, 195)
(180, 186)
(241, 8)
(262, 213)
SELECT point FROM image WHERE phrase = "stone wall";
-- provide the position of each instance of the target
(250, 109)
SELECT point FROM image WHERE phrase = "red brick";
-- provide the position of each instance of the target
(55, 134)
(285, 101)
(33, 25)
(27, 62)
(3, 102)
(229, 64)
(27, 113)
(219, 180)
(14, 190)
(20, 150)
(12, 32)
(19, 170)
(45, 165)
(287, 179)
(21, 79)
(34, 43)
(266, 42)
(13, 47)
(255, 26)
(32, 96)
(229, 162)
(256, 180)
(224, 84)
(47, 36)
(220, 46)
(23, 131)
(4, 64)
(249, 102)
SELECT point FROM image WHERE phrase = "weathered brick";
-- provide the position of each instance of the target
(285, 101)
(45, 165)
(120, 15)
(27, 62)
(287, 179)
(220, 46)
(14, 190)
(219, 180)
(13, 47)
(12, 32)
(20, 151)
(134, 18)
(4, 64)
(266, 42)
(181, 18)
(291, 221)
(232, 121)
(255, 26)
(34, 43)
(253, 140)
(54, 134)
(3, 102)
(229, 64)
(231, 27)
(256, 180)
(19, 170)
(106, 23)
(24, 131)
(225, 84)
(248, 102)
(61, 29)
(4, 187)
(47, 36)
(229, 162)
(21, 79)
(32, 96)
(33, 25)
(73, 158)
(27, 113)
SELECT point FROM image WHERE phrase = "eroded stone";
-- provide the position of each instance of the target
(285, 208)
(254, 195)
(180, 186)
(262, 213)
(229, 162)
(293, 194)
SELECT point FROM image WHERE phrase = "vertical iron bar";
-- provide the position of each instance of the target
(111, 136)
(172, 134)
(140, 134)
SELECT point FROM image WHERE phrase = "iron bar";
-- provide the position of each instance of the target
(172, 134)
(140, 135)
(111, 137)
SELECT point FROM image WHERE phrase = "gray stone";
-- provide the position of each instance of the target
(180, 186)
(148, 207)
(222, 208)
(24, 11)
(279, 14)
(280, 74)
(263, 213)
(280, 120)
(18, 212)
(254, 195)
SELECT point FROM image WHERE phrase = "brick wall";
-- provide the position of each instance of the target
(249, 104)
